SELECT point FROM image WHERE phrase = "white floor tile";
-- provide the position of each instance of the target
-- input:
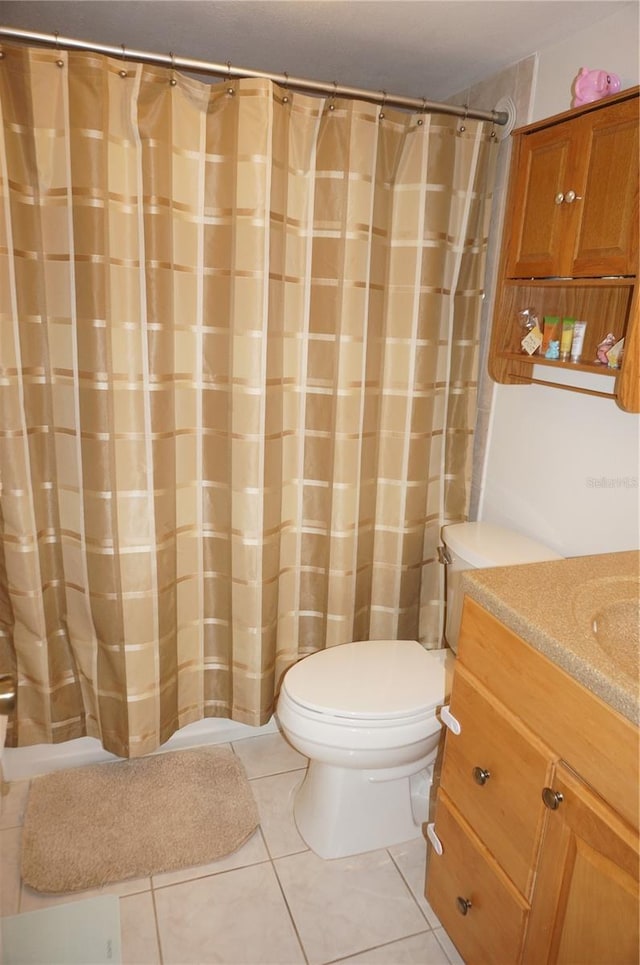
(420, 949)
(31, 900)
(345, 906)
(411, 858)
(268, 754)
(450, 949)
(238, 918)
(274, 797)
(138, 930)
(13, 802)
(10, 844)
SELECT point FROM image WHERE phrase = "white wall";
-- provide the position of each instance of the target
(561, 466)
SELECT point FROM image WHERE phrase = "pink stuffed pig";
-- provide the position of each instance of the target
(591, 85)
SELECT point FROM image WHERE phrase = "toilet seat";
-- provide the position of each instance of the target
(369, 683)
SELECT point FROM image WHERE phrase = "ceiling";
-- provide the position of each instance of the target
(418, 48)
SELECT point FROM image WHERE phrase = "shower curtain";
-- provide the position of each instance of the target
(238, 351)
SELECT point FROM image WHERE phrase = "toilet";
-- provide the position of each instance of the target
(366, 714)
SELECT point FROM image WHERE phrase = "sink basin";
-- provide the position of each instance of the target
(609, 609)
(617, 629)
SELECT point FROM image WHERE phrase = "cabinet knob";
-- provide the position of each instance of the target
(552, 799)
(571, 196)
(463, 905)
(480, 776)
(559, 198)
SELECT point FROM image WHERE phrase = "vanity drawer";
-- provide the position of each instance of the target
(495, 770)
(493, 926)
(596, 741)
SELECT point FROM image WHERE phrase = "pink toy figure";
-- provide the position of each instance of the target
(601, 353)
(591, 85)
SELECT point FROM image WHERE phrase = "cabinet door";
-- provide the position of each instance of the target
(585, 902)
(481, 911)
(607, 229)
(539, 221)
(574, 201)
(494, 770)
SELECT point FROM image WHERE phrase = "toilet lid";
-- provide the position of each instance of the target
(373, 678)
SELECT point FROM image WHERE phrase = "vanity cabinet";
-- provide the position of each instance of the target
(552, 854)
(570, 242)
(585, 906)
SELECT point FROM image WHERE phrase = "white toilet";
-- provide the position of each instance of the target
(366, 715)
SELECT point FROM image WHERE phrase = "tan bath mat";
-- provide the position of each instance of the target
(89, 826)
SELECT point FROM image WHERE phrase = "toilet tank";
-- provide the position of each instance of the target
(477, 546)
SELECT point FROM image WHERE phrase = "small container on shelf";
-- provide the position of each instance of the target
(577, 342)
(527, 321)
(551, 337)
(566, 338)
(614, 355)
(603, 348)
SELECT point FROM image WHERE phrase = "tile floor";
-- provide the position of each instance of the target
(273, 902)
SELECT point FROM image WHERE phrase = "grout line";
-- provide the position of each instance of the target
(374, 948)
(157, 924)
(291, 770)
(410, 889)
(437, 937)
(293, 921)
(208, 874)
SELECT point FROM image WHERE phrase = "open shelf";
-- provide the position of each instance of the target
(592, 368)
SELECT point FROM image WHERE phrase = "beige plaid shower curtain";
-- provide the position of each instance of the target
(238, 351)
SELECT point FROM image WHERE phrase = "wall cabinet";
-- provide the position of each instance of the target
(538, 864)
(570, 243)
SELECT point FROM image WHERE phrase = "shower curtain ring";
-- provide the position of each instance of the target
(230, 89)
(172, 79)
(285, 98)
(123, 70)
(384, 99)
(462, 127)
(59, 61)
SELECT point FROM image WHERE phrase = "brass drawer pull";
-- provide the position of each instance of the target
(481, 776)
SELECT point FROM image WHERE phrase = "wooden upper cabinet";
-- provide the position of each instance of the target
(570, 244)
(538, 222)
(607, 233)
(574, 198)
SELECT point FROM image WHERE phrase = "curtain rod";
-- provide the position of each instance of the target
(170, 60)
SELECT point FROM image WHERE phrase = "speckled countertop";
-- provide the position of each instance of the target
(555, 606)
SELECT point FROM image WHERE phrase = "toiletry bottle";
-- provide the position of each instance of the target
(566, 338)
(550, 336)
(579, 329)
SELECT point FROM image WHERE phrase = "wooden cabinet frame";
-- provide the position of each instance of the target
(577, 260)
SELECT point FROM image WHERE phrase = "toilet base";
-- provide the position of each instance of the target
(341, 811)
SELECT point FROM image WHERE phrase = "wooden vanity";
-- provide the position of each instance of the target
(537, 810)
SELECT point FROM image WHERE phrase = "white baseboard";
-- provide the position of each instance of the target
(23, 763)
